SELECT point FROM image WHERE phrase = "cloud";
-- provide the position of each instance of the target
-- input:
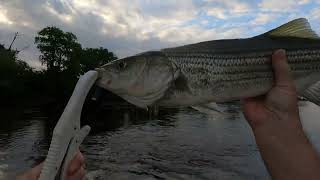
(315, 14)
(264, 18)
(195, 33)
(304, 2)
(128, 27)
(226, 9)
(282, 6)
(219, 13)
(66, 18)
(3, 17)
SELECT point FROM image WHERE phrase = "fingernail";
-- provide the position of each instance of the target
(280, 53)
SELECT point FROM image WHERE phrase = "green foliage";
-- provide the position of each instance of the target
(14, 75)
(65, 60)
(57, 48)
(92, 58)
(62, 52)
(7, 62)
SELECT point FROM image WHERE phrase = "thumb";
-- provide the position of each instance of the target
(281, 69)
(35, 171)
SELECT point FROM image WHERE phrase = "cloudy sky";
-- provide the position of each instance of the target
(127, 27)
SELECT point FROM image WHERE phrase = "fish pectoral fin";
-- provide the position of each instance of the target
(299, 28)
(209, 109)
(312, 94)
(135, 101)
(212, 106)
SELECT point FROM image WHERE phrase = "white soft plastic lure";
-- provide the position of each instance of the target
(67, 135)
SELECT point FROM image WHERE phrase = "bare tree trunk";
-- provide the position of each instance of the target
(14, 38)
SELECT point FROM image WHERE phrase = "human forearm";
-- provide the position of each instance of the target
(275, 121)
(286, 151)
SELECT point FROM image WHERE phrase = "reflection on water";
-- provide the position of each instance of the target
(22, 140)
(127, 144)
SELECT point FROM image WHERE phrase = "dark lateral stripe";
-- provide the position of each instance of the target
(301, 56)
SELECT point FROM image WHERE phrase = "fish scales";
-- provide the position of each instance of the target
(218, 70)
(222, 75)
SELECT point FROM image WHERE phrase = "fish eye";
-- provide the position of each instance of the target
(122, 65)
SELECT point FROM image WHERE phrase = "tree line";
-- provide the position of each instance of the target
(65, 60)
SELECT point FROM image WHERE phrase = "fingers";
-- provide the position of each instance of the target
(78, 175)
(282, 97)
(76, 169)
(282, 70)
(248, 105)
(33, 173)
(253, 110)
(76, 163)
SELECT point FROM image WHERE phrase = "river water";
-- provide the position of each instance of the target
(176, 144)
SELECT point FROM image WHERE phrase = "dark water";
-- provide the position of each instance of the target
(177, 144)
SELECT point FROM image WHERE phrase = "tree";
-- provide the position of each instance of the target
(92, 58)
(7, 62)
(65, 60)
(14, 75)
(57, 48)
(23, 68)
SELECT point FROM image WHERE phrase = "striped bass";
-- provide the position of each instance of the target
(216, 71)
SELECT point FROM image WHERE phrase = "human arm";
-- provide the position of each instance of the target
(275, 121)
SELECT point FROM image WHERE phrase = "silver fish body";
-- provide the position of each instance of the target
(217, 71)
(223, 76)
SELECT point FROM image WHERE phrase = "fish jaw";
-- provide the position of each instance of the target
(103, 78)
(144, 81)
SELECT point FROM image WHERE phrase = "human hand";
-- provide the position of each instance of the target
(280, 103)
(76, 170)
(274, 119)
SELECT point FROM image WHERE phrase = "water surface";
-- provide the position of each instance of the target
(177, 144)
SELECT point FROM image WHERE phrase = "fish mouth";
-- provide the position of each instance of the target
(100, 72)
(104, 78)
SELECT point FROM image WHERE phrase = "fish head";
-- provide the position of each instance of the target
(141, 79)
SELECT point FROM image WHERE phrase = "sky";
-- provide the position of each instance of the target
(128, 27)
